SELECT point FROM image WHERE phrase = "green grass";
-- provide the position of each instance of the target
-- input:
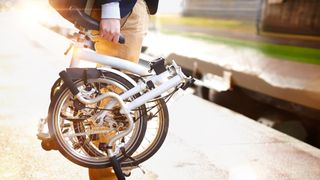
(234, 25)
(285, 52)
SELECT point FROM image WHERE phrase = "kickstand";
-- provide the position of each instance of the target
(117, 168)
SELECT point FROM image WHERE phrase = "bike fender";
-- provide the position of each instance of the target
(123, 75)
(80, 73)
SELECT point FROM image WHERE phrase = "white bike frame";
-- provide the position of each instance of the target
(163, 82)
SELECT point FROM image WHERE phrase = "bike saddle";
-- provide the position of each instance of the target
(83, 20)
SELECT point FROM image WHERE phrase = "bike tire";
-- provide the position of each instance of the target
(155, 144)
(80, 159)
(55, 88)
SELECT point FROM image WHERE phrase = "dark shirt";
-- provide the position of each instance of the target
(127, 5)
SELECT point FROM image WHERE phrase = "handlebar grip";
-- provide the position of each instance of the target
(82, 19)
(122, 40)
(96, 26)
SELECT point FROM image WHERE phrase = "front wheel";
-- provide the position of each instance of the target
(157, 130)
(82, 139)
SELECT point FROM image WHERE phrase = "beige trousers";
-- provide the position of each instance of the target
(133, 27)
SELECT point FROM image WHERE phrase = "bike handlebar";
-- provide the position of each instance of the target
(82, 19)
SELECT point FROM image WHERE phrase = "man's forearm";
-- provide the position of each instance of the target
(110, 21)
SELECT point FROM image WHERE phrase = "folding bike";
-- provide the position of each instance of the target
(115, 115)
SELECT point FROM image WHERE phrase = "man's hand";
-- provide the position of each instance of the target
(110, 29)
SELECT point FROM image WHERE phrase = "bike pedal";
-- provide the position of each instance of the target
(49, 144)
(43, 136)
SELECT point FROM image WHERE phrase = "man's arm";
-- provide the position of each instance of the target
(110, 20)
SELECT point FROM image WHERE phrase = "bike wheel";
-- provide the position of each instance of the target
(55, 87)
(78, 136)
(157, 130)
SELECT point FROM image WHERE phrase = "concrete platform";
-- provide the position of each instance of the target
(205, 141)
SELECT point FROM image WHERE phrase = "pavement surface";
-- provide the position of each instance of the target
(205, 141)
(30, 59)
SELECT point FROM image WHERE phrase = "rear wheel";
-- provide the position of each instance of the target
(79, 136)
(55, 87)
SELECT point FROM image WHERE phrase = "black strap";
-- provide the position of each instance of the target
(123, 151)
(85, 76)
(117, 168)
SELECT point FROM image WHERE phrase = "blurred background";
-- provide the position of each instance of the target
(259, 58)
(271, 48)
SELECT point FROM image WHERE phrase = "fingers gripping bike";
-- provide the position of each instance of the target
(115, 115)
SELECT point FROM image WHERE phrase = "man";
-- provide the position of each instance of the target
(129, 18)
